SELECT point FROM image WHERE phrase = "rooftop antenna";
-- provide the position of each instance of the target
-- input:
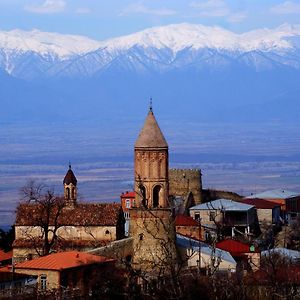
(150, 106)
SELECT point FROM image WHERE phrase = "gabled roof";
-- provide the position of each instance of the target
(195, 245)
(70, 177)
(260, 203)
(182, 220)
(291, 254)
(83, 214)
(275, 194)
(223, 204)
(151, 136)
(62, 260)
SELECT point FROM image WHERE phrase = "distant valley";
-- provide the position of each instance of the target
(228, 103)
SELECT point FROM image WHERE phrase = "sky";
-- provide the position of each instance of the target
(102, 19)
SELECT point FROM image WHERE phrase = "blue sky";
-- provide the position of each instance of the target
(101, 19)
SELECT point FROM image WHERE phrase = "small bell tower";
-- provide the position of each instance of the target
(70, 188)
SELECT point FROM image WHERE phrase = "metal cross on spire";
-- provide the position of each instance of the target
(150, 106)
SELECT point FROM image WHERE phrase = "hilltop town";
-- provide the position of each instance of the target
(169, 237)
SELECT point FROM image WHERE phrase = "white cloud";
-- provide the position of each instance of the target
(217, 8)
(140, 8)
(211, 8)
(287, 7)
(48, 7)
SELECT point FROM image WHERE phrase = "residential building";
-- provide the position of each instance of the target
(288, 200)
(196, 254)
(246, 254)
(127, 202)
(268, 212)
(14, 285)
(66, 270)
(189, 227)
(229, 216)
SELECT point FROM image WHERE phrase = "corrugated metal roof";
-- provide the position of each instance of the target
(292, 254)
(224, 204)
(275, 194)
(62, 260)
(260, 203)
(195, 245)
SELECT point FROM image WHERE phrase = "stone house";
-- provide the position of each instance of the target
(286, 199)
(232, 217)
(67, 270)
(80, 226)
(267, 212)
(189, 227)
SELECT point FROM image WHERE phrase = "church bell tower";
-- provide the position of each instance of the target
(151, 219)
(151, 163)
(70, 188)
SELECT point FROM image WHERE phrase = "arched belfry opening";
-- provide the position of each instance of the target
(68, 193)
(143, 195)
(155, 196)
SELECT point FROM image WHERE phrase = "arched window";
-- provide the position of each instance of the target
(68, 193)
(143, 194)
(73, 193)
(155, 198)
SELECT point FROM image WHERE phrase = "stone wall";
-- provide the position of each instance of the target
(183, 182)
(153, 233)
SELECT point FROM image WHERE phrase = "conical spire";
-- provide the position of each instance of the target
(70, 177)
(151, 136)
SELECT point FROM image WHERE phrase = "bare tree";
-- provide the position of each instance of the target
(41, 209)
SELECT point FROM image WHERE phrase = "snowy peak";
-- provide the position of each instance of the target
(45, 43)
(180, 36)
(175, 37)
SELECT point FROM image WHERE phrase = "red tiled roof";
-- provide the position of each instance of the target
(62, 260)
(236, 248)
(260, 203)
(182, 220)
(83, 214)
(5, 255)
(128, 194)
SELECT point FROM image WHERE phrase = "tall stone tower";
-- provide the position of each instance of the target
(151, 166)
(151, 219)
(70, 188)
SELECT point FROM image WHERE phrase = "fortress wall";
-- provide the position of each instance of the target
(184, 181)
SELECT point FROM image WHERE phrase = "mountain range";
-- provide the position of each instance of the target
(190, 70)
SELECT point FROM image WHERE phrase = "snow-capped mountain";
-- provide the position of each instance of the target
(37, 54)
(181, 36)
(215, 72)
